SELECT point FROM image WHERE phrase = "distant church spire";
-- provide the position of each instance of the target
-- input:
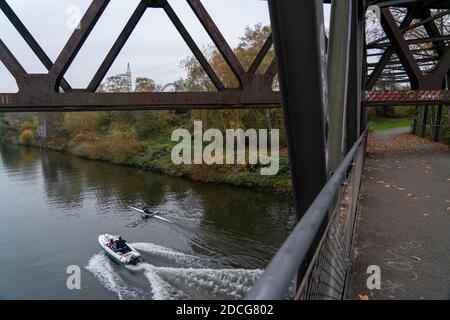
(129, 78)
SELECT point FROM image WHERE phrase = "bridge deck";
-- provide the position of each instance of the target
(405, 219)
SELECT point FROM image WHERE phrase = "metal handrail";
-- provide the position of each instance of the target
(282, 269)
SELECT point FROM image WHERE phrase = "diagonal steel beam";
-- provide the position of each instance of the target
(272, 70)
(193, 46)
(117, 46)
(11, 63)
(386, 57)
(401, 48)
(443, 66)
(76, 41)
(29, 39)
(433, 32)
(218, 39)
(261, 55)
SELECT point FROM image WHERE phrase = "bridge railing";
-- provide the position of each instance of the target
(314, 260)
(437, 133)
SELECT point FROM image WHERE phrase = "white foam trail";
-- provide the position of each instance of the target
(162, 290)
(191, 282)
(170, 254)
(215, 283)
(100, 266)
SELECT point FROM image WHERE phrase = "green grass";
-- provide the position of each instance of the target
(385, 124)
(253, 179)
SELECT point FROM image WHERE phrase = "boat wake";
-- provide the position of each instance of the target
(167, 274)
(102, 268)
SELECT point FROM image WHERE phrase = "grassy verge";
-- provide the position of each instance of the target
(122, 146)
(157, 158)
(385, 124)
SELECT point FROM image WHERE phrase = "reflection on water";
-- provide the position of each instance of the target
(63, 202)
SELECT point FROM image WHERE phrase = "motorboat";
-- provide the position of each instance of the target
(126, 255)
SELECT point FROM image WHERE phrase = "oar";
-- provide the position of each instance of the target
(154, 215)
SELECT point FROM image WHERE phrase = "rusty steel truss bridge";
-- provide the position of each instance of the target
(326, 82)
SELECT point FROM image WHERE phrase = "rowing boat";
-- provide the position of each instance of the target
(150, 215)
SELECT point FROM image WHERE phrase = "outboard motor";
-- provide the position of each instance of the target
(136, 260)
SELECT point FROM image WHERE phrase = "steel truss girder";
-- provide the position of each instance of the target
(50, 92)
(398, 44)
(43, 91)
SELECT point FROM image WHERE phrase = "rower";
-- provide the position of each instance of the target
(147, 209)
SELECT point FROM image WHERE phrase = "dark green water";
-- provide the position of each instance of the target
(53, 206)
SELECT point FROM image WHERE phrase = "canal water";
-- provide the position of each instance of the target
(53, 206)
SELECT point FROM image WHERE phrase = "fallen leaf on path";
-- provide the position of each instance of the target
(363, 297)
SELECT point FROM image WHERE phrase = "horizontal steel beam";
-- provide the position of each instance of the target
(412, 97)
(382, 45)
(88, 101)
(81, 100)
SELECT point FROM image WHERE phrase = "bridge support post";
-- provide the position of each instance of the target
(42, 129)
(299, 41)
(338, 66)
(437, 123)
(355, 84)
(423, 127)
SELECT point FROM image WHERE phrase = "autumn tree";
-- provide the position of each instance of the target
(246, 50)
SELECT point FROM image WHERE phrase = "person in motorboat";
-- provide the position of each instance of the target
(112, 245)
(121, 246)
(121, 251)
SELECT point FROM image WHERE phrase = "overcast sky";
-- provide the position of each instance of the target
(155, 49)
